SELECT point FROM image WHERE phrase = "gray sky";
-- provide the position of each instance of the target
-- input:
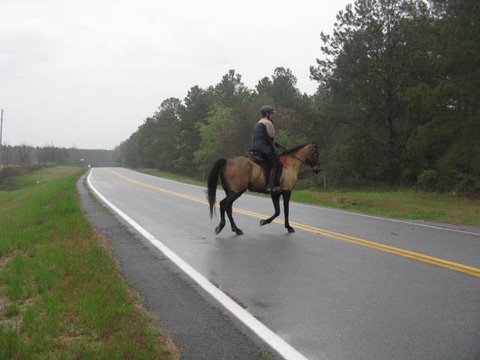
(87, 73)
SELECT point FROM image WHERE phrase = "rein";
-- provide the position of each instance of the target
(280, 146)
(302, 161)
(295, 157)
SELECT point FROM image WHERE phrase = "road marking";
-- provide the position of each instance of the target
(272, 339)
(470, 270)
(325, 208)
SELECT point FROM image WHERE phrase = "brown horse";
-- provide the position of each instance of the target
(239, 174)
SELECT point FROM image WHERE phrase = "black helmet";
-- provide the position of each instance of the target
(267, 109)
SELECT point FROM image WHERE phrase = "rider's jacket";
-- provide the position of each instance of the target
(263, 134)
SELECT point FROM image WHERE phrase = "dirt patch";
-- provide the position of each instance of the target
(8, 320)
(13, 322)
(3, 301)
(5, 259)
(68, 339)
(168, 344)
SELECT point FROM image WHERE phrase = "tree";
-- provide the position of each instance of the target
(165, 138)
(215, 135)
(264, 86)
(197, 104)
(369, 73)
(448, 145)
(144, 143)
(128, 153)
(231, 91)
(281, 88)
(24, 154)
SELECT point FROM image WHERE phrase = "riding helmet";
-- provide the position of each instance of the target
(267, 109)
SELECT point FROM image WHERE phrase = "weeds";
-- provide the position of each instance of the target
(62, 294)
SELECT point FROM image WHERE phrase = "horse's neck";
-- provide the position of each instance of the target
(296, 159)
(302, 153)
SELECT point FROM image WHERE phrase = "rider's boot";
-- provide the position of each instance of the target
(271, 181)
(273, 186)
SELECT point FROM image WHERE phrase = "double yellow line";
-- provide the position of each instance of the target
(470, 270)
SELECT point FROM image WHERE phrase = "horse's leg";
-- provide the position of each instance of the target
(286, 208)
(221, 225)
(276, 204)
(225, 204)
(229, 209)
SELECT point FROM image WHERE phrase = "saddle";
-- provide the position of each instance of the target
(259, 159)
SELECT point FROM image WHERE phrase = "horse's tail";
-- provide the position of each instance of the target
(213, 181)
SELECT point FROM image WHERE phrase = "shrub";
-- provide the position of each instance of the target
(428, 180)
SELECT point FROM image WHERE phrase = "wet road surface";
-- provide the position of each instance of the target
(344, 286)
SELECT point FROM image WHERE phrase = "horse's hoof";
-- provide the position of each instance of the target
(262, 222)
(239, 232)
(217, 230)
(290, 229)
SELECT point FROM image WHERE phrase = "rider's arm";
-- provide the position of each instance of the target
(270, 129)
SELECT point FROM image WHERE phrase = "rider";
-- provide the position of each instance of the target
(263, 134)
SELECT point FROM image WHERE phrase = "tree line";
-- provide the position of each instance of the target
(24, 155)
(397, 104)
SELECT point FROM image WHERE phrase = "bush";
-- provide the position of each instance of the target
(428, 180)
(304, 184)
(18, 170)
(467, 184)
(449, 181)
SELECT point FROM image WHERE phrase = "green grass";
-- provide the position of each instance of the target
(400, 204)
(11, 309)
(61, 295)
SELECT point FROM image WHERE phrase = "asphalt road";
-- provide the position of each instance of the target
(344, 286)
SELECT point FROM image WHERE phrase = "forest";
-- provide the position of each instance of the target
(397, 104)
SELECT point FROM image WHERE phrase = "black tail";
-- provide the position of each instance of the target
(213, 181)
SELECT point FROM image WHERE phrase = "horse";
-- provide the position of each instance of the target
(239, 174)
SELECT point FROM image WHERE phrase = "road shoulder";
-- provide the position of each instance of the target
(198, 326)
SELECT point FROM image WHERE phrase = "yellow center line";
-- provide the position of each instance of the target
(470, 270)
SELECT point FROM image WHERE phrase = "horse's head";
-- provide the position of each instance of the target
(312, 158)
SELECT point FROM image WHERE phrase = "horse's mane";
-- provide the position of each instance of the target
(287, 152)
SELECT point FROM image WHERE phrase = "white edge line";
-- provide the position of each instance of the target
(272, 339)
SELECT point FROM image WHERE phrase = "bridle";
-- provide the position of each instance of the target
(313, 151)
(308, 161)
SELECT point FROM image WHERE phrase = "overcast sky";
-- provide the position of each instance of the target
(87, 73)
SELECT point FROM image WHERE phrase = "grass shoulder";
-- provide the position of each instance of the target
(61, 295)
(408, 204)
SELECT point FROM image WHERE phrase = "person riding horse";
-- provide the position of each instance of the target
(264, 144)
(239, 174)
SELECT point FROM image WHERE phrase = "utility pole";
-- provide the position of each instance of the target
(1, 143)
